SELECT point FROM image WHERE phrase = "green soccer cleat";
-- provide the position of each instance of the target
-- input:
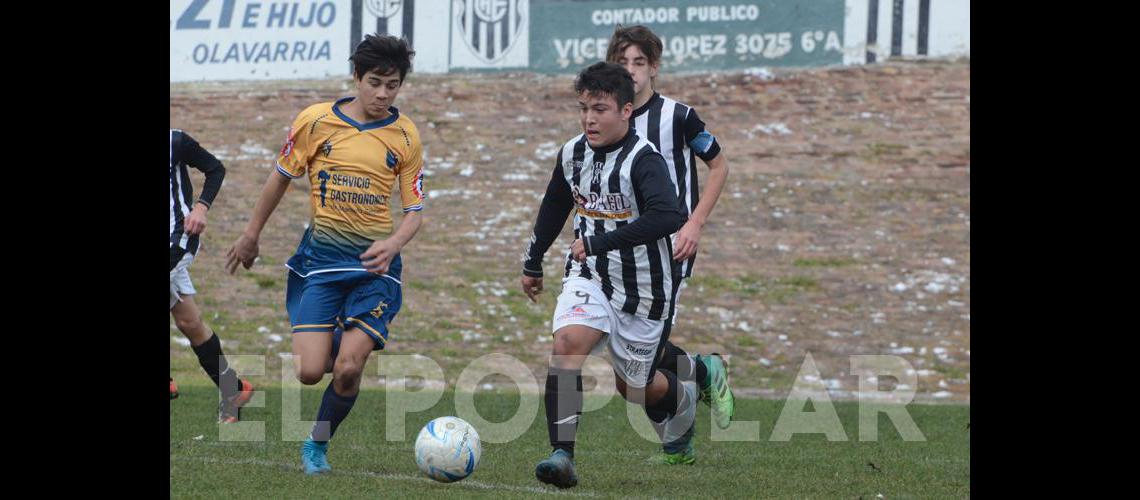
(717, 394)
(685, 456)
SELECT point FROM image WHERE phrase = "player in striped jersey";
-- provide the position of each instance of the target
(186, 226)
(344, 279)
(617, 280)
(679, 134)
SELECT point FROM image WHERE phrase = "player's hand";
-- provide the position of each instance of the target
(378, 256)
(578, 250)
(686, 243)
(531, 287)
(196, 221)
(245, 250)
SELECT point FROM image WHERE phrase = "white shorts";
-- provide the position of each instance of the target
(180, 280)
(632, 340)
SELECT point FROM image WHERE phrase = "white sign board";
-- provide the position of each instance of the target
(248, 40)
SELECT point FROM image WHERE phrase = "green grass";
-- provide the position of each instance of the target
(877, 148)
(824, 262)
(610, 455)
(270, 282)
(767, 289)
(747, 341)
(950, 371)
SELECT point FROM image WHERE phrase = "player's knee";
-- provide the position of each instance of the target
(619, 384)
(635, 395)
(346, 368)
(188, 324)
(632, 394)
(560, 345)
(309, 376)
(564, 351)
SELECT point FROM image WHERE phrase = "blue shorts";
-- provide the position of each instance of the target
(346, 299)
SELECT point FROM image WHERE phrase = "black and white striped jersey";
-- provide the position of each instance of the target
(184, 150)
(625, 209)
(680, 136)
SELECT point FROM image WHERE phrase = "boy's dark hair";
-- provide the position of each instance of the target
(606, 78)
(382, 53)
(638, 35)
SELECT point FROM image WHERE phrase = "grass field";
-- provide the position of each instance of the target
(610, 455)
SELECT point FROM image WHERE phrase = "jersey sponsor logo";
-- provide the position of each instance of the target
(640, 351)
(351, 181)
(579, 200)
(324, 177)
(602, 205)
(575, 312)
(367, 199)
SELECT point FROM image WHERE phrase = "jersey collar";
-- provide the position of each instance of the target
(645, 107)
(365, 126)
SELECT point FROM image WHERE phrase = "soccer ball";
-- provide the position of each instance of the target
(448, 449)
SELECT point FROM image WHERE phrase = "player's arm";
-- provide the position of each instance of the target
(411, 178)
(661, 214)
(197, 156)
(380, 254)
(292, 162)
(246, 249)
(556, 205)
(707, 148)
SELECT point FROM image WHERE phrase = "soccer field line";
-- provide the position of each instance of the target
(466, 483)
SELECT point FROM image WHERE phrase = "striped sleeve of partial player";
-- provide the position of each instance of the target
(181, 197)
(703, 144)
(679, 134)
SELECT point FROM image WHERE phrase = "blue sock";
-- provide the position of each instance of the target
(334, 409)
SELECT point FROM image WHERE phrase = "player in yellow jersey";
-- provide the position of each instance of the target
(344, 280)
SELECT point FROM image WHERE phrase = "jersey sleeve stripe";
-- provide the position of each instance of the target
(286, 173)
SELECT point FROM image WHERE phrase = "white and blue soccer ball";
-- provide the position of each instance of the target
(448, 449)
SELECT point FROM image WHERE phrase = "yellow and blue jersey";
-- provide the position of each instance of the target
(353, 169)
